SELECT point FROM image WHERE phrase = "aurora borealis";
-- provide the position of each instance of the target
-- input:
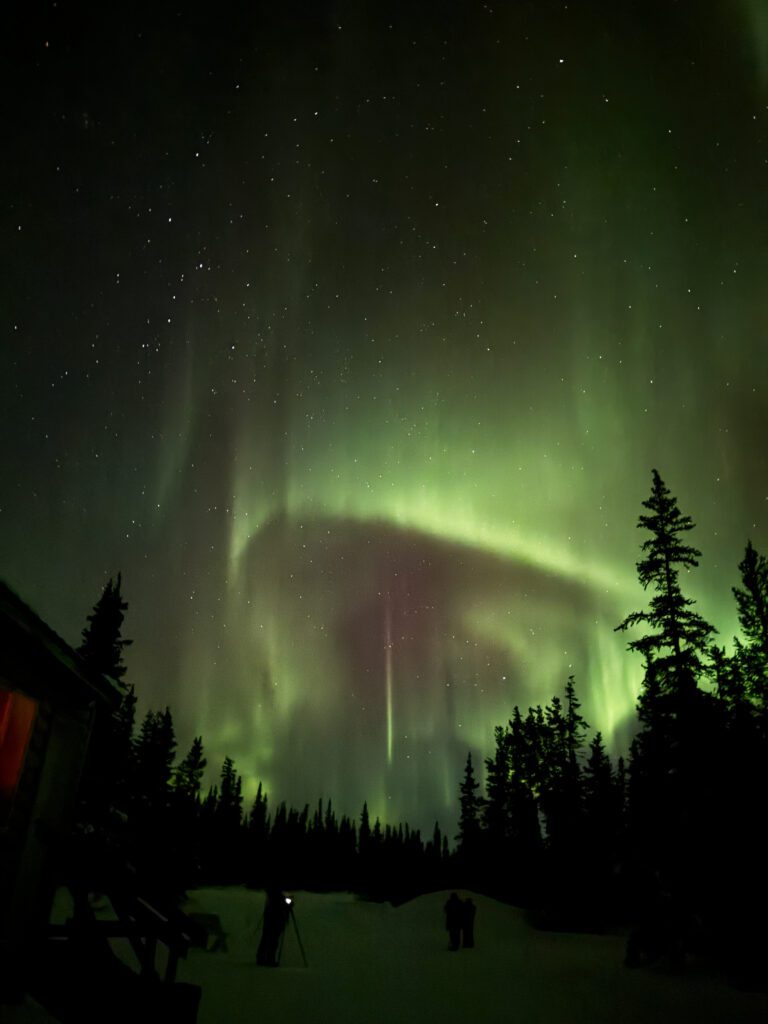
(350, 333)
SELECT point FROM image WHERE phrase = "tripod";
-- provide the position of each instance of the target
(298, 938)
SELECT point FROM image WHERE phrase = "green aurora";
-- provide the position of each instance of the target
(352, 339)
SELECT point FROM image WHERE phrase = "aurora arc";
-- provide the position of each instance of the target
(369, 331)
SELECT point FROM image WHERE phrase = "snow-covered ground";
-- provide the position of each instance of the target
(371, 963)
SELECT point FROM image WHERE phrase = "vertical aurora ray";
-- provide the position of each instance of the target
(371, 331)
(388, 676)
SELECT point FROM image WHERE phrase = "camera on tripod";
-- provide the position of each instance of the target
(277, 916)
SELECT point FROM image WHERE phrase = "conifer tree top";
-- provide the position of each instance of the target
(679, 638)
(102, 646)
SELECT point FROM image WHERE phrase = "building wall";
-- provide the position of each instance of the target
(51, 818)
(31, 844)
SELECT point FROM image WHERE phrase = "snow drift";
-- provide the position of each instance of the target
(372, 963)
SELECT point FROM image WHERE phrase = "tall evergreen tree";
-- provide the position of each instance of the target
(603, 825)
(120, 736)
(188, 774)
(742, 685)
(186, 813)
(364, 835)
(437, 843)
(469, 817)
(230, 808)
(576, 726)
(154, 751)
(751, 659)
(107, 770)
(258, 827)
(525, 841)
(166, 749)
(103, 644)
(671, 767)
(598, 780)
(679, 639)
(495, 807)
(226, 835)
(560, 799)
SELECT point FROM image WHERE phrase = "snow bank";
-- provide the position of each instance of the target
(371, 963)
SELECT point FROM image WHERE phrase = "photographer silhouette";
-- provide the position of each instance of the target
(274, 920)
(277, 910)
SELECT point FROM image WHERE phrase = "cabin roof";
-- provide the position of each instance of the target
(34, 658)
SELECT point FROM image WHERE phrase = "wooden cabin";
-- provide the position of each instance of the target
(48, 700)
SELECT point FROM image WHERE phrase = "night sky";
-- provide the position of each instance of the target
(351, 332)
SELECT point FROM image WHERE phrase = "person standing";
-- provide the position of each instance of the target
(468, 911)
(453, 918)
(275, 918)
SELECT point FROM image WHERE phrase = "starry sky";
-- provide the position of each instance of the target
(351, 332)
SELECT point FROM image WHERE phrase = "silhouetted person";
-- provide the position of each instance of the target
(453, 920)
(468, 911)
(276, 911)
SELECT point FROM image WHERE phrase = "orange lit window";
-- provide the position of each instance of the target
(17, 716)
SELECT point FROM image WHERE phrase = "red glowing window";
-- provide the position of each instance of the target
(17, 717)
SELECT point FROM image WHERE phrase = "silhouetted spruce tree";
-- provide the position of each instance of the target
(495, 807)
(433, 860)
(102, 646)
(534, 751)
(561, 739)
(154, 751)
(297, 835)
(256, 839)
(277, 838)
(209, 838)
(469, 835)
(576, 727)
(602, 828)
(186, 812)
(158, 841)
(728, 674)
(285, 853)
(671, 755)
(752, 652)
(230, 806)
(229, 821)
(347, 850)
(106, 774)
(364, 867)
(378, 870)
(679, 640)
(335, 869)
(188, 774)
(525, 841)
(546, 756)
(364, 836)
(621, 786)
(738, 903)
(122, 749)
(317, 852)
(599, 788)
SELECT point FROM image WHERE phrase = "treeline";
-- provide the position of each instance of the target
(551, 828)
(145, 808)
(560, 828)
(679, 832)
